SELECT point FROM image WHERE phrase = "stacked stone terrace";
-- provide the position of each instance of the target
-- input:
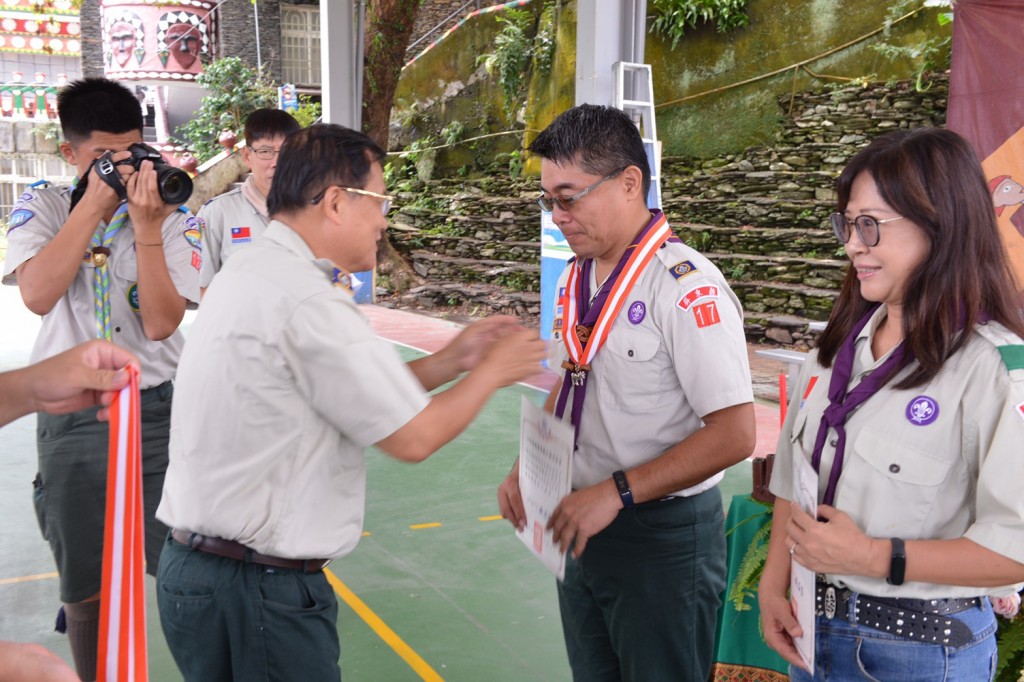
(761, 215)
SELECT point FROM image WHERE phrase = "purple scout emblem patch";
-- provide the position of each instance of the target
(922, 410)
(637, 312)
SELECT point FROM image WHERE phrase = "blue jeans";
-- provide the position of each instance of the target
(641, 603)
(846, 651)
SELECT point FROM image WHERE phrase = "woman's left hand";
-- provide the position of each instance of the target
(835, 544)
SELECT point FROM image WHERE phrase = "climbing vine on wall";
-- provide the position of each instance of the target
(672, 18)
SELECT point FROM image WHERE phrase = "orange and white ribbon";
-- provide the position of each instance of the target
(581, 353)
(122, 647)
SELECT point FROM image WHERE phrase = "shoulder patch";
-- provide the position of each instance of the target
(18, 218)
(683, 269)
(697, 293)
(1013, 356)
(193, 235)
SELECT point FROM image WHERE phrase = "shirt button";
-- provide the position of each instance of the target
(834, 442)
(894, 468)
(630, 353)
(117, 329)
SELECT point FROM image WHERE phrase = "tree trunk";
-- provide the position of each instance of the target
(389, 25)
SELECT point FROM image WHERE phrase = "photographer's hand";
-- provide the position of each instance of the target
(100, 199)
(47, 276)
(160, 304)
(146, 208)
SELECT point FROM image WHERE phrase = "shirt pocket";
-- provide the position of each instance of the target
(631, 376)
(125, 265)
(893, 486)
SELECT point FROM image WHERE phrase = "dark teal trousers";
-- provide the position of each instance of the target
(641, 603)
(225, 619)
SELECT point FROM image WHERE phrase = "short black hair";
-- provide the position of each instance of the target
(317, 157)
(94, 105)
(266, 123)
(601, 140)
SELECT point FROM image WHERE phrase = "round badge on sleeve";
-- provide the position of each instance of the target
(922, 410)
(637, 312)
(133, 296)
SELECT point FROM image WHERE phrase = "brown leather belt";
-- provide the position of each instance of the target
(236, 550)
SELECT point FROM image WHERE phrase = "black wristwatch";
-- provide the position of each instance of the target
(623, 485)
(898, 563)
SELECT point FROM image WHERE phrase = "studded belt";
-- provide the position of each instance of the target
(918, 620)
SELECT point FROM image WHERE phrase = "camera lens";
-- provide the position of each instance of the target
(175, 185)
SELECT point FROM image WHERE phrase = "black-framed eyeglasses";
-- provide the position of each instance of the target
(385, 199)
(566, 203)
(866, 226)
(265, 153)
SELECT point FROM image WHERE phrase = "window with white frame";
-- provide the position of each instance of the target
(300, 44)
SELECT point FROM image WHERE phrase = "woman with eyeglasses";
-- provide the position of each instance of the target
(911, 413)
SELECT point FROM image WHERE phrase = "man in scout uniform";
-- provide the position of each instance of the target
(281, 387)
(235, 219)
(93, 266)
(656, 382)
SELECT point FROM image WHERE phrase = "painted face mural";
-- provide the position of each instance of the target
(183, 36)
(183, 41)
(124, 38)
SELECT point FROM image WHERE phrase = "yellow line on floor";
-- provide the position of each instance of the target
(496, 517)
(27, 578)
(419, 666)
(421, 526)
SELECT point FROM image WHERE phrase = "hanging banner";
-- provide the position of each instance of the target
(145, 41)
(986, 106)
(122, 644)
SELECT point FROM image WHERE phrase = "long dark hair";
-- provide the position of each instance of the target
(932, 177)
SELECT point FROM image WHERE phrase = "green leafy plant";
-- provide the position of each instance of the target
(544, 41)
(453, 132)
(309, 111)
(744, 586)
(236, 89)
(932, 54)
(1010, 643)
(510, 60)
(672, 18)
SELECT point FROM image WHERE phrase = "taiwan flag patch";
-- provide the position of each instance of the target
(240, 235)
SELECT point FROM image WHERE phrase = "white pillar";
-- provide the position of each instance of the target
(607, 31)
(341, 82)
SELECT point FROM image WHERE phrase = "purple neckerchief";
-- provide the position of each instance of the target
(842, 403)
(589, 313)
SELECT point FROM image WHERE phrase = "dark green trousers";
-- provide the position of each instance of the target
(641, 603)
(235, 620)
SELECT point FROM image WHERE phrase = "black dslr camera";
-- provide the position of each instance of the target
(174, 184)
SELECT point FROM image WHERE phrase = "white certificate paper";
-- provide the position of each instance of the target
(545, 477)
(801, 579)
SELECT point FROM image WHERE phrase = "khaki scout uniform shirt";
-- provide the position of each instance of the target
(939, 461)
(38, 215)
(281, 386)
(218, 216)
(676, 352)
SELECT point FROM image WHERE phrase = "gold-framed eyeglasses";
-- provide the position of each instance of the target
(866, 226)
(265, 153)
(566, 203)
(385, 199)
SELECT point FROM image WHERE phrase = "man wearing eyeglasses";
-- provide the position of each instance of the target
(650, 342)
(283, 385)
(237, 218)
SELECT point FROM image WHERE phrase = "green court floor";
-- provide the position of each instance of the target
(442, 589)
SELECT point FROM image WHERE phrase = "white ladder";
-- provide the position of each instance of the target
(641, 110)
